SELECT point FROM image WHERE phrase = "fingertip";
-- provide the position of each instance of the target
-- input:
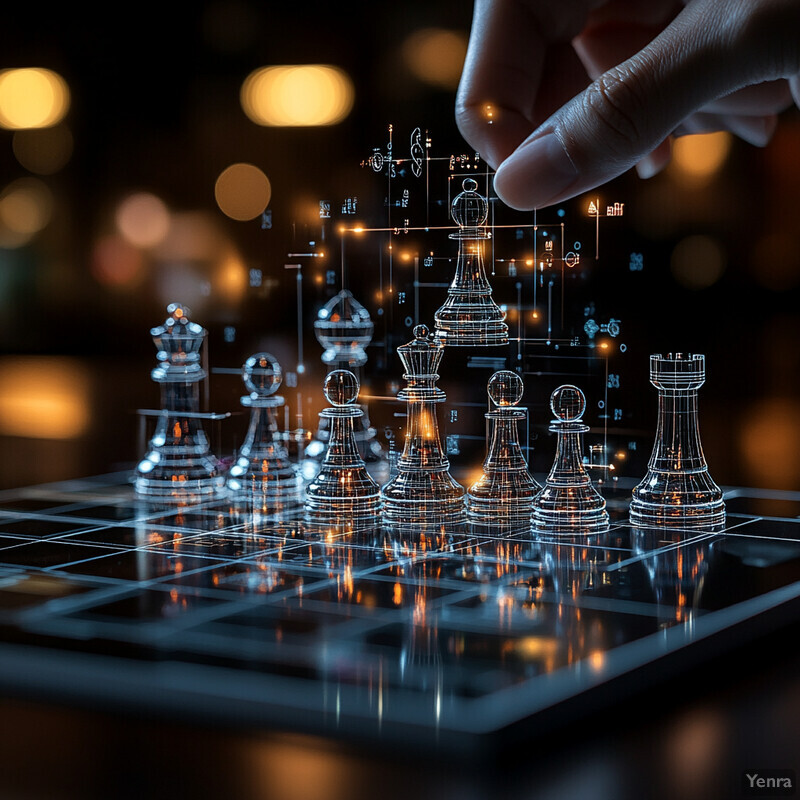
(537, 174)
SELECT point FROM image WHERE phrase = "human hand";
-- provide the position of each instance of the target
(654, 69)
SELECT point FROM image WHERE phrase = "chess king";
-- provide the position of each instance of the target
(179, 466)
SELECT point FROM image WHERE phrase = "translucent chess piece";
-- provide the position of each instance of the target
(569, 503)
(504, 493)
(179, 465)
(344, 328)
(470, 316)
(343, 492)
(423, 492)
(678, 489)
(263, 472)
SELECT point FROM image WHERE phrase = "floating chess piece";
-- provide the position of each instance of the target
(423, 493)
(678, 489)
(263, 474)
(344, 328)
(504, 493)
(343, 492)
(470, 316)
(179, 466)
(569, 503)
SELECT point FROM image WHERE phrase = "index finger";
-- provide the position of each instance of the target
(520, 67)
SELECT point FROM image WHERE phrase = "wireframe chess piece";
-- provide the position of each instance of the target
(678, 489)
(343, 492)
(504, 493)
(422, 493)
(179, 465)
(470, 316)
(263, 473)
(344, 328)
(569, 503)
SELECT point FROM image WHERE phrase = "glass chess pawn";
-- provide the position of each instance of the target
(568, 502)
(504, 493)
(263, 473)
(344, 328)
(179, 465)
(678, 489)
(470, 316)
(343, 492)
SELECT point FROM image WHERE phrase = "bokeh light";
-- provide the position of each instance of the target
(698, 262)
(43, 150)
(43, 397)
(769, 441)
(142, 219)
(436, 56)
(230, 280)
(775, 260)
(32, 98)
(242, 191)
(116, 263)
(302, 95)
(26, 206)
(697, 158)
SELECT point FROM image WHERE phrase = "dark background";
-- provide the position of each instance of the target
(155, 107)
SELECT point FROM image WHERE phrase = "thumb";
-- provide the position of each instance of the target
(628, 111)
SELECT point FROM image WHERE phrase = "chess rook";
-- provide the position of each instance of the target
(179, 465)
(569, 503)
(263, 475)
(678, 489)
(504, 493)
(343, 492)
(423, 492)
(470, 316)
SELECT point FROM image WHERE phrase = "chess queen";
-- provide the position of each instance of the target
(423, 493)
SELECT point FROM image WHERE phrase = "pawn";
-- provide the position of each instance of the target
(343, 492)
(504, 493)
(263, 473)
(569, 503)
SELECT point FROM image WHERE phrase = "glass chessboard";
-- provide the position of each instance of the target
(449, 638)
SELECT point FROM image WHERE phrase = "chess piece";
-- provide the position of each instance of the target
(423, 492)
(343, 491)
(504, 493)
(179, 465)
(470, 316)
(678, 489)
(344, 328)
(263, 474)
(569, 503)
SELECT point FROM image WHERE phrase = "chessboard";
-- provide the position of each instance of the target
(452, 639)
